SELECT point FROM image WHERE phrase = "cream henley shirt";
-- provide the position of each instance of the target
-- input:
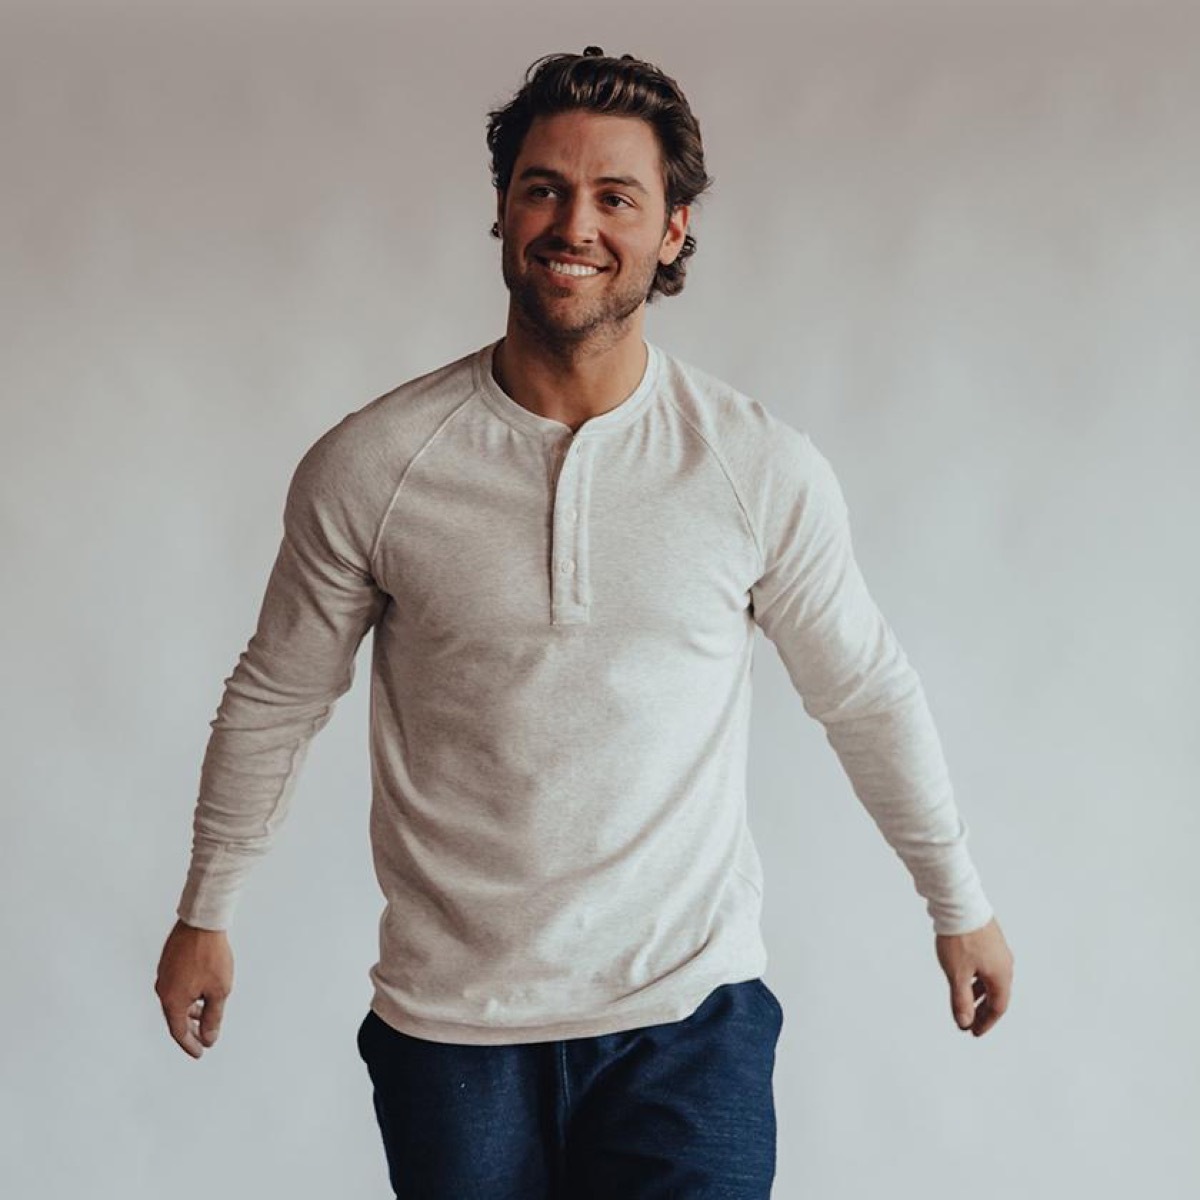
(560, 695)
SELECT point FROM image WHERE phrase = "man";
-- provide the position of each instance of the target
(564, 542)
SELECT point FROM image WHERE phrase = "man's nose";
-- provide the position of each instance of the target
(575, 221)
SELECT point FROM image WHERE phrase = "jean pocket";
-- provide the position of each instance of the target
(364, 1030)
(769, 996)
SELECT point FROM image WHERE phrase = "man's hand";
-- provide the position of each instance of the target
(195, 974)
(979, 966)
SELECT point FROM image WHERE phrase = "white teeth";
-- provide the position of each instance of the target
(571, 268)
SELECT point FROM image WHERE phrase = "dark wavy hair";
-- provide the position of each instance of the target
(624, 86)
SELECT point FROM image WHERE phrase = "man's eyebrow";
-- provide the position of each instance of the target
(628, 181)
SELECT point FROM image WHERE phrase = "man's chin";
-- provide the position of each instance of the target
(564, 335)
(548, 326)
(565, 324)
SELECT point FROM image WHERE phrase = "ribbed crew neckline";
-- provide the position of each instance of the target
(527, 421)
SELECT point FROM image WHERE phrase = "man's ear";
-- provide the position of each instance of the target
(500, 197)
(673, 235)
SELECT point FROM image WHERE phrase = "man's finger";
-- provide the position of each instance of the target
(181, 1029)
(986, 1017)
(992, 1009)
(963, 1001)
(210, 1019)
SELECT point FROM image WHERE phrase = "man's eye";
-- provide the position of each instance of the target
(540, 187)
(614, 196)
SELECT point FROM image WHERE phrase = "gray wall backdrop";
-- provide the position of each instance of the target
(958, 244)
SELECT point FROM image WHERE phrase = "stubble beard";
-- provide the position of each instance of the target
(600, 319)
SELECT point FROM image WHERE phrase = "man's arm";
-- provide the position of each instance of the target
(320, 601)
(853, 676)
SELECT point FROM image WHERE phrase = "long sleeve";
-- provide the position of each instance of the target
(853, 676)
(320, 600)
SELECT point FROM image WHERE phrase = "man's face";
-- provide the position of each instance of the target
(586, 187)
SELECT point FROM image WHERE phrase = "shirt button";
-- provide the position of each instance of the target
(566, 566)
(574, 514)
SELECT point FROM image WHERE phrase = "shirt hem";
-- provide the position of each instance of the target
(464, 1033)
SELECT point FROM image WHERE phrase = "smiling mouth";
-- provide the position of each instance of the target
(569, 270)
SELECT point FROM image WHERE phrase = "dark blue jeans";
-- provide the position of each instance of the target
(679, 1111)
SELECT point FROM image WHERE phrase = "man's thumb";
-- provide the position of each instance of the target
(964, 1006)
(210, 1020)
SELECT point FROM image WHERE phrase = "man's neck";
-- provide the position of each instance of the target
(569, 384)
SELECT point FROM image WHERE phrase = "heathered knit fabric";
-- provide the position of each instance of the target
(560, 695)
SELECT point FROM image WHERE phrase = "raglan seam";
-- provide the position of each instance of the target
(377, 540)
(758, 543)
